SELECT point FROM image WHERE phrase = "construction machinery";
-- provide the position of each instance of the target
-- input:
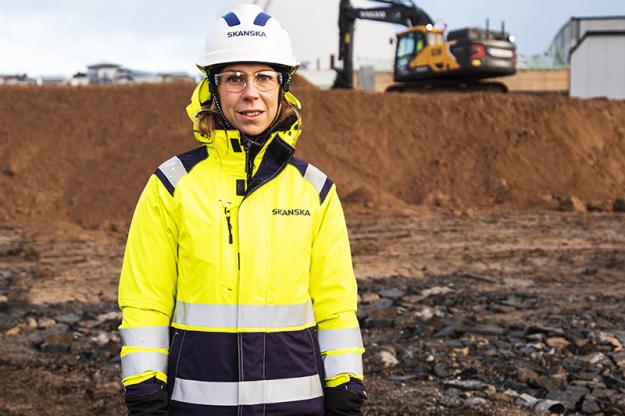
(425, 59)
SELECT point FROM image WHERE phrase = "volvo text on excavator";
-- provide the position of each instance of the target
(424, 59)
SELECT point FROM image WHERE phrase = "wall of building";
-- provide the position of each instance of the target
(538, 80)
(598, 66)
(596, 25)
(107, 73)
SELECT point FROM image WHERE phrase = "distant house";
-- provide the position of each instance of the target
(175, 76)
(104, 73)
(116, 74)
(53, 79)
(136, 77)
(79, 78)
(16, 79)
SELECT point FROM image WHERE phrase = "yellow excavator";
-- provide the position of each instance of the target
(426, 60)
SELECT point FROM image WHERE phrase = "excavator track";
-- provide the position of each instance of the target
(432, 86)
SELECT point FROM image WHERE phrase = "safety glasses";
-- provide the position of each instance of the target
(235, 81)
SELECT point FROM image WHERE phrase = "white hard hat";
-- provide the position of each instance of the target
(247, 34)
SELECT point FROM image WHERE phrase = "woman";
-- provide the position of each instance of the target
(237, 288)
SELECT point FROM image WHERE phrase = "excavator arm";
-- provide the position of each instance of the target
(405, 13)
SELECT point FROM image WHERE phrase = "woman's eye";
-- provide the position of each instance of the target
(266, 78)
(234, 79)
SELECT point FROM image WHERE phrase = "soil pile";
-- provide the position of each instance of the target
(471, 149)
(83, 154)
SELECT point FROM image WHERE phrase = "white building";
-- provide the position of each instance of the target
(79, 78)
(116, 74)
(175, 76)
(573, 31)
(597, 65)
(104, 73)
(16, 79)
(132, 76)
(52, 79)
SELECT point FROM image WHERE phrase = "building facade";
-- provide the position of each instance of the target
(574, 30)
(104, 73)
(597, 65)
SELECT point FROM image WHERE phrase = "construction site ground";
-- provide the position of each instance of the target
(487, 234)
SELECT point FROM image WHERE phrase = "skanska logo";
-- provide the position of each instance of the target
(289, 212)
(237, 33)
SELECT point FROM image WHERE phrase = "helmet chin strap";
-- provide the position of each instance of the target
(215, 94)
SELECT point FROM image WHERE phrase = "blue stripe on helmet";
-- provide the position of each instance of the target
(261, 19)
(232, 19)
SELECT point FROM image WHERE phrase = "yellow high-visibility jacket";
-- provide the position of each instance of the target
(240, 295)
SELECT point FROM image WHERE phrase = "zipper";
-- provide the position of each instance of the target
(249, 163)
(249, 169)
(173, 339)
(226, 206)
(227, 214)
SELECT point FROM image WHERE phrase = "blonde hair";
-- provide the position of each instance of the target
(209, 118)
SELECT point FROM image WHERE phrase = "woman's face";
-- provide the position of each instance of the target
(254, 108)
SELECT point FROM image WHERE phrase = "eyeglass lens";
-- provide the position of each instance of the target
(235, 81)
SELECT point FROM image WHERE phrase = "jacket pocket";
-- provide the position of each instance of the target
(175, 352)
(316, 354)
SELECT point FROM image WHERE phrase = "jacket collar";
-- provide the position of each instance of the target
(226, 146)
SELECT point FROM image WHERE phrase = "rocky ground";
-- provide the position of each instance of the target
(463, 313)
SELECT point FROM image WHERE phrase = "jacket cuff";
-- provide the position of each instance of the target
(147, 399)
(346, 399)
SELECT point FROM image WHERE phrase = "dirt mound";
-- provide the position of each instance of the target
(300, 83)
(83, 154)
(476, 149)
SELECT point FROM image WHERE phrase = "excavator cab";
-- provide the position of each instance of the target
(422, 50)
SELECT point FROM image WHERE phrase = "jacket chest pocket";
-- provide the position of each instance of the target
(208, 259)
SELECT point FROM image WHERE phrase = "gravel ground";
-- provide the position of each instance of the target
(462, 313)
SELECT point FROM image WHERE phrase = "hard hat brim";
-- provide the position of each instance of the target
(231, 56)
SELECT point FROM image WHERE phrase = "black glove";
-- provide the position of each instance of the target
(147, 399)
(345, 400)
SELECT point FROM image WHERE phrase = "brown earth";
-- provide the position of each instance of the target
(441, 191)
(504, 271)
(83, 154)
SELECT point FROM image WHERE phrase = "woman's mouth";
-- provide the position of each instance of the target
(250, 114)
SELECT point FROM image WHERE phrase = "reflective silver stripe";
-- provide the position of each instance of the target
(336, 339)
(139, 362)
(316, 177)
(147, 337)
(247, 392)
(173, 170)
(342, 363)
(243, 316)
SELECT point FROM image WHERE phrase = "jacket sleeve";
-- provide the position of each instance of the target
(334, 296)
(147, 287)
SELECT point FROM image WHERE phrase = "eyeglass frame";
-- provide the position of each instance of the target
(218, 76)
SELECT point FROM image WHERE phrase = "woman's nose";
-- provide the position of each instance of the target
(250, 90)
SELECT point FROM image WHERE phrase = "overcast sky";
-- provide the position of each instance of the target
(62, 37)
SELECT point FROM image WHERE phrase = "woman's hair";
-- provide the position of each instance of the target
(210, 119)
